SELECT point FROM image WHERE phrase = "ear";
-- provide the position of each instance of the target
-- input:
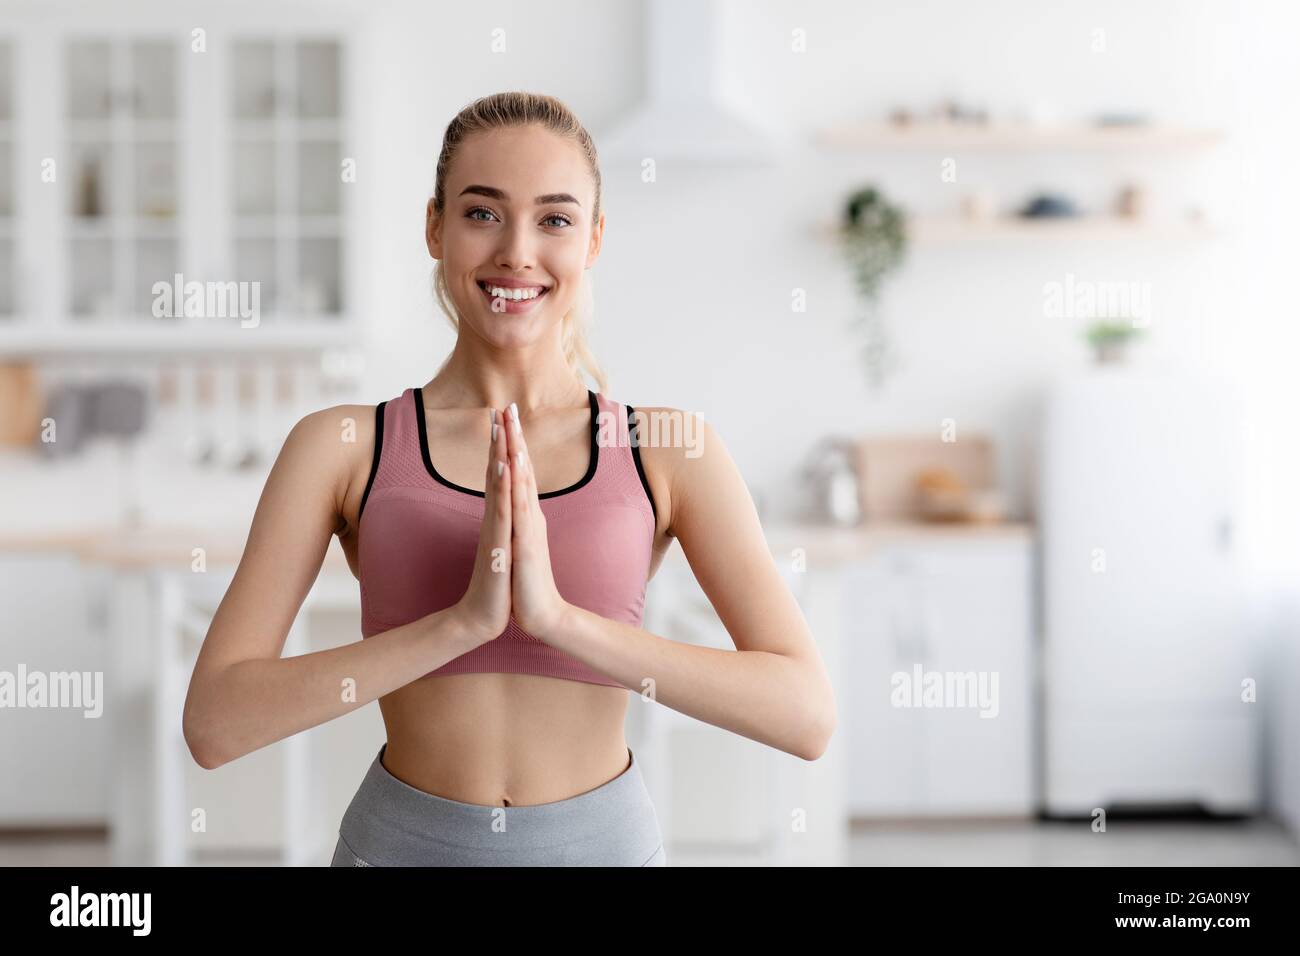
(597, 236)
(433, 231)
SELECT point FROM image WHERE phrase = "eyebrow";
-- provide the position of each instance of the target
(493, 193)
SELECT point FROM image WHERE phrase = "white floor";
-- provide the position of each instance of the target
(1125, 843)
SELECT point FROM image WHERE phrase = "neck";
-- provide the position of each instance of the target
(532, 379)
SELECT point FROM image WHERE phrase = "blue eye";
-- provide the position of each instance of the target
(564, 220)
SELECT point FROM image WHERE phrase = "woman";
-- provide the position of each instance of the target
(512, 520)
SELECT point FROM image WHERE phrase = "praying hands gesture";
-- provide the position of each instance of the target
(512, 568)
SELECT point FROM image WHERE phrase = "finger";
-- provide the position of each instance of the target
(502, 474)
(496, 504)
(519, 447)
(489, 478)
(520, 469)
(490, 483)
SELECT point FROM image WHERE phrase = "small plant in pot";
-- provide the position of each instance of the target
(1109, 340)
(874, 241)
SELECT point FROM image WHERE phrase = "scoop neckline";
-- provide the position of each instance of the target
(422, 428)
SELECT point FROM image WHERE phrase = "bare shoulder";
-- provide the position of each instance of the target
(682, 454)
(337, 441)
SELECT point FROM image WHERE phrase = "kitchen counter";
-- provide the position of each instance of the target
(829, 546)
(824, 545)
(148, 547)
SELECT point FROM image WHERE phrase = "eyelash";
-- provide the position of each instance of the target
(555, 215)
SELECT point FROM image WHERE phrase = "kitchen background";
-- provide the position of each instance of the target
(992, 303)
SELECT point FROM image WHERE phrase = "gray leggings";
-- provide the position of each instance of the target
(390, 823)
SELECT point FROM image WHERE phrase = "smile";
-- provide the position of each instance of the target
(510, 300)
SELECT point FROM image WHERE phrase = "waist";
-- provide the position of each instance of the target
(504, 739)
(390, 823)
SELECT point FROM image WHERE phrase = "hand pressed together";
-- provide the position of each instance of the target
(512, 568)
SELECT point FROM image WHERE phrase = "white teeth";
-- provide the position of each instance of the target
(515, 294)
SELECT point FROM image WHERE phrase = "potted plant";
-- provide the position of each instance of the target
(873, 241)
(1110, 339)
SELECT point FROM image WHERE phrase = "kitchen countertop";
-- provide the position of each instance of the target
(825, 545)
(149, 547)
(831, 545)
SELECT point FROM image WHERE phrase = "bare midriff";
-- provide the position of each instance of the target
(497, 739)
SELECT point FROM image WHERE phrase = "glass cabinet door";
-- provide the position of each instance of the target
(122, 188)
(286, 174)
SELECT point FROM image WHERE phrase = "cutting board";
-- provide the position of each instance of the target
(887, 469)
(20, 404)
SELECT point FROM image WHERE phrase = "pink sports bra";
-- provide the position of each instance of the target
(418, 533)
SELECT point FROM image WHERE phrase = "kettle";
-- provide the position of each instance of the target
(832, 481)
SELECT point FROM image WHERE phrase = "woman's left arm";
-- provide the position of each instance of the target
(774, 687)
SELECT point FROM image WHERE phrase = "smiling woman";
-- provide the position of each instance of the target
(466, 217)
(513, 517)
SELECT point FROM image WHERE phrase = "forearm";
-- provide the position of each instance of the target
(772, 698)
(250, 704)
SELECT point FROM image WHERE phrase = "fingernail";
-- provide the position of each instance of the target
(494, 431)
(519, 460)
(501, 465)
(514, 414)
(494, 416)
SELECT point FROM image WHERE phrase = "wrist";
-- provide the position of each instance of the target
(560, 623)
(463, 632)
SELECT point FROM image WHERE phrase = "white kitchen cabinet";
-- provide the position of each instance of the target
(959, 610)
(722, 798)
(164, 141)
(884, 769)
(54, 760)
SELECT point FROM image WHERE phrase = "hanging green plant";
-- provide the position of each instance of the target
(874, 241)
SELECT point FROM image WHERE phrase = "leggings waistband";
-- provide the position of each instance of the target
(387, 812)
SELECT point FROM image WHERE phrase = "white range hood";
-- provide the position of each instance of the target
(685, 116)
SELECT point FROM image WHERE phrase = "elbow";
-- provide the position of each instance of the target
(203, 756)
(818, 738)
(201, 746)
(820, 718)
(816, 746)
(201, 749)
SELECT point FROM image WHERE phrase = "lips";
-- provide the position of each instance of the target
(502, 283)
(512, 306)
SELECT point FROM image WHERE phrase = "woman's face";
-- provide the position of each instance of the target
(517, 231)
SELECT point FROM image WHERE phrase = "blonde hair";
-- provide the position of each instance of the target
(512, 109)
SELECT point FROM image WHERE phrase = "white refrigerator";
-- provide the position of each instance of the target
(1148, 689)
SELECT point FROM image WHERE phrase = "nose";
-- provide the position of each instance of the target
(516, 251)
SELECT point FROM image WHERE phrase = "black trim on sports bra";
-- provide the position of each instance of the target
(593, 457)
(374, 463)
(636, 457)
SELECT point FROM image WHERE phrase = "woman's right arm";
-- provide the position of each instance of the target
(243, 695)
